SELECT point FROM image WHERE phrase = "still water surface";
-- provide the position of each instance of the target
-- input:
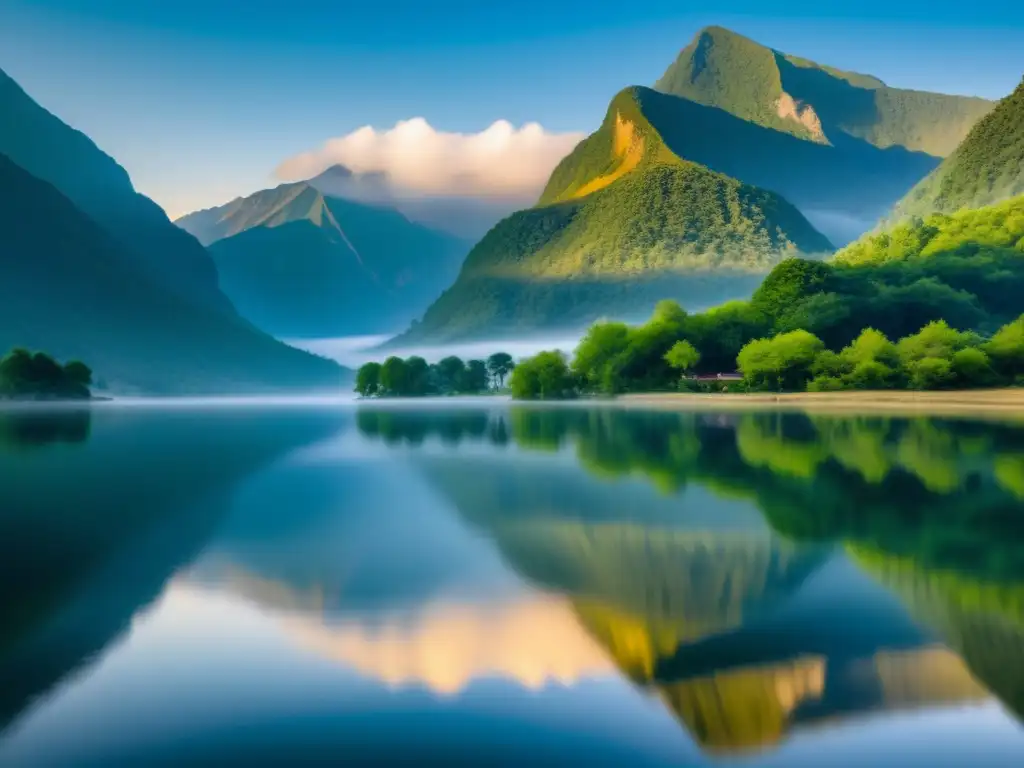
(494, 585)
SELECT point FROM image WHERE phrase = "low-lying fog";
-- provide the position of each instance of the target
(353, 351)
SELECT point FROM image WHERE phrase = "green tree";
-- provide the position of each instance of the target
(368, 379)
(544, 376)
(789, 283)
(931, 373)
(782, 362)
(1006, 348)
(78, 372)
(450, 371)
(394, 376)
(594, 354)
(474, 377)
(971, 368)
(417, 376)
(683, 356)
(500, 365)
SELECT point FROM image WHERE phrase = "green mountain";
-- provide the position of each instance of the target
(625, 221)
(720, 68)
(299, 263)
(843, 188)
(71, 288)
(51, 150)
(986, 168)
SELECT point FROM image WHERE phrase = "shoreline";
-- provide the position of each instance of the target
(1006, 401)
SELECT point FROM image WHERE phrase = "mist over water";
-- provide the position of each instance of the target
(353, 351)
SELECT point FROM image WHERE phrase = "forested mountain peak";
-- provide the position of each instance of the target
(815, 102)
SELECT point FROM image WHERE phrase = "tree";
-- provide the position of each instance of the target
(500, 365)
(78, 372)
(934, 344)
(368, 379)
(394, 376)
(931, 373)
(1006, 348)
(683, 356)
(971, 368)
(602, 343)
(790, 282)
(784, 361)
(474, 377)
(544, 376)
(450, 371)
(417, 376)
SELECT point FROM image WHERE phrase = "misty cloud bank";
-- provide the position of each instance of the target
(353, 351)
(500, 161)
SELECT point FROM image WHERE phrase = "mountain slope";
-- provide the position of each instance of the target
(720, 68)
(627, 222)
(301, 264)
(843, 188)
(69, 287)
(52, 151)
(986, 168)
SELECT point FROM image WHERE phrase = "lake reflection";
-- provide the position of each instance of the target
(498, 585)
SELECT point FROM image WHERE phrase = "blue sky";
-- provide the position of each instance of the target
(200, 101)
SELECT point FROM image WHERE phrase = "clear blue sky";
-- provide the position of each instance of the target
(200, 99)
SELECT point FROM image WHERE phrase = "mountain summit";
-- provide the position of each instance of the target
(723, 69)
(302, 264)
(624, 221)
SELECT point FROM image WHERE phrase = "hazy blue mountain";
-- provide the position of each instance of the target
(71, 288)
(299, 263)
(51, 150)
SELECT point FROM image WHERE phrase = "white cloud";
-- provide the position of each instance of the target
(500, 161)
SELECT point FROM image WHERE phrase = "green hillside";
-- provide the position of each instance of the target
(986, 168)
(625, 221)
(52, 151)
(852, 180)
(720, 68)
(298, 263)
(68, 287)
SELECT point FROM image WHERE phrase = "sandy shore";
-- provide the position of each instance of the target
(992, 401)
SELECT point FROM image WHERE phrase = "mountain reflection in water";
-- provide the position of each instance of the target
(510, 583)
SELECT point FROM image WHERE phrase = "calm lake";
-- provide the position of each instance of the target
(485, 584)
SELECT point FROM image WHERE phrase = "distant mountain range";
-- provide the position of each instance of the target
(694, 190)
(299, 263)
(93, 270)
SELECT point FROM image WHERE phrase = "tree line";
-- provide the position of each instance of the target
(414, 377)
(665, 353)
(26, 375)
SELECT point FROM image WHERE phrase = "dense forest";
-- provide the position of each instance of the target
(929, 304)
(414, 377)
(25, 375)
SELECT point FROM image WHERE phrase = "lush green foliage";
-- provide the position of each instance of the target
(781, 362)
(986, 168)
(27, 375)
(414, 377)
(723, 69)
(683, 356)
(545, 376)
